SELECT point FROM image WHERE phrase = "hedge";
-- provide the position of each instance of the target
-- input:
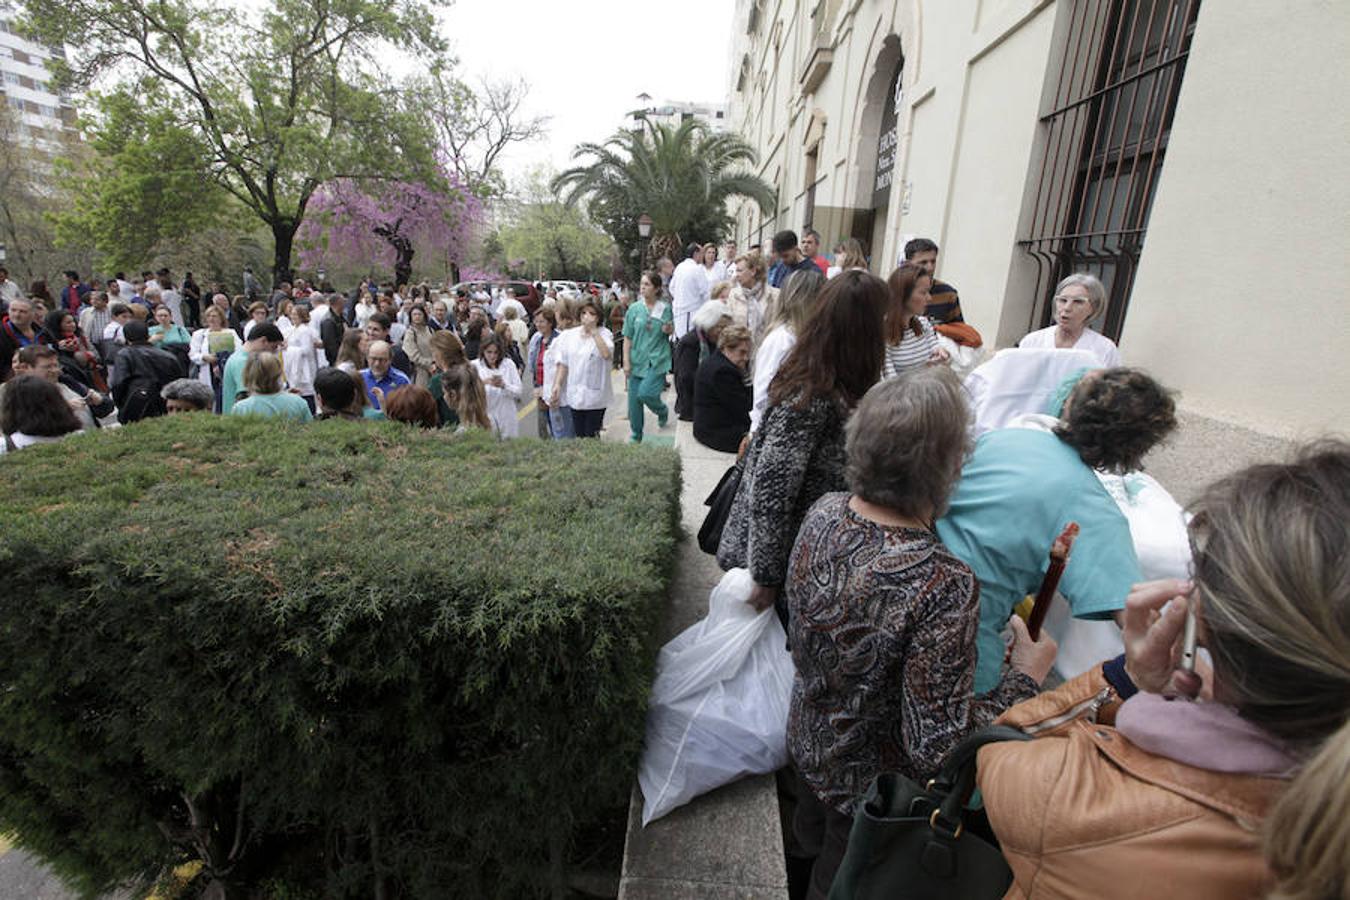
(341, 659)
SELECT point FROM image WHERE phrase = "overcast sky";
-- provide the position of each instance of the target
(587, 60)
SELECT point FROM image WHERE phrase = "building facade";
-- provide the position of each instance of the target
(675, 113)
(42, 119)
(1182, 150)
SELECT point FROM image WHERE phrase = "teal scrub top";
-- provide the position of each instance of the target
(649, 345)
(282, 406)
(232, 379)
(175, 334)
(1017, 492)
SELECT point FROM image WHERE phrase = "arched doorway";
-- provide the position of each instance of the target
(878, 147)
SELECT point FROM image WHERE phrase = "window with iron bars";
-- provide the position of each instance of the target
(1105, 143)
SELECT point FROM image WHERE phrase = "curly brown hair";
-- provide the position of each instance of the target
(1115, 416)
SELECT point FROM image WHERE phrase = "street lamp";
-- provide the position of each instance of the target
(322, 276)
(644, 224)
(2, 254)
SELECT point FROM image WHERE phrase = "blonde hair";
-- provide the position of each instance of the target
(755, 263)
(854, 258)
(1273, 586)
(262, 373)
(720, 291)
(732, 336)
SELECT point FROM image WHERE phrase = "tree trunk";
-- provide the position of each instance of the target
(283, 235)
(403, 263)
(403, 252)
(667, 245)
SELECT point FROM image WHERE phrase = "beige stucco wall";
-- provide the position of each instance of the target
(1242, 300)
(971, 145)
(973, 83)
(1240, 297)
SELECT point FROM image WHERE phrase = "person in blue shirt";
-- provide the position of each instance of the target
(1023, 485)
(381, 377)
(790, 258)
(264, 378)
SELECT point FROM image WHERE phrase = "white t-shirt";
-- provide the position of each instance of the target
(9, 291)
(174, 301)
(551, 357)
(501, 401)
(299, 358)
(1099, 346)
(588, 373)
(689, 286)
(777, 344)
(364, 310)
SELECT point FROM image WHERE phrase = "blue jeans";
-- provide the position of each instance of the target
(645, 391)
(560, 422)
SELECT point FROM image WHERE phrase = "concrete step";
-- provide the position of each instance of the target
(728, 843)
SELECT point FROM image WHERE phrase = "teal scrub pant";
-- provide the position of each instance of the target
(645, 390)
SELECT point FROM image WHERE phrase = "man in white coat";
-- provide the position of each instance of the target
(689, 290)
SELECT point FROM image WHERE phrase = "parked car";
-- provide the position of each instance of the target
(569, 290)
(522, 290)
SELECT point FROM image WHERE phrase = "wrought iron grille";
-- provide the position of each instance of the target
(1106, 139)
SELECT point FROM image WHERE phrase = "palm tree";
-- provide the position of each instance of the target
(679, 176)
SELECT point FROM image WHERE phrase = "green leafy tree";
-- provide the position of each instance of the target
(682, 176)
(550, 236)
(145, 181)
(285, 96)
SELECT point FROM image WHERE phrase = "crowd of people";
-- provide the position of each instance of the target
(893, 541)
(136, 349)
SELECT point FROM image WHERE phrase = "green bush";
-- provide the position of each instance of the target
(340, 659)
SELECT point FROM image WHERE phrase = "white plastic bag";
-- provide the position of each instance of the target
(719, 705)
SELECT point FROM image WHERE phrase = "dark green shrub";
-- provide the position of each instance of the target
(336, 659)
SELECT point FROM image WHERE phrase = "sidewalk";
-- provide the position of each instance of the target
(726, 844)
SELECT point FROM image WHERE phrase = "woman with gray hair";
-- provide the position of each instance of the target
(1078, 299)
(187, 395)
(698, 343)
(882, 616)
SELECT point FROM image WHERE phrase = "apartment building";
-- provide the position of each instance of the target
(41, 117)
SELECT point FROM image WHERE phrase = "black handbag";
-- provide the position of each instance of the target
(719, 503)
(909, 841)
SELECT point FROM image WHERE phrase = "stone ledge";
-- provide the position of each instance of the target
(728, 843)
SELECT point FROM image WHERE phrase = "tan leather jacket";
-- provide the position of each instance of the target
(1083, 813)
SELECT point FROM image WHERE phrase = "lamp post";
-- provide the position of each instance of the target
(644, 224)
(322, 276)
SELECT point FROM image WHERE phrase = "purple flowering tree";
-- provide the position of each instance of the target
(386, 222)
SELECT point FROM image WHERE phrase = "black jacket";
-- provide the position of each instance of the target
(331, 330)
(140, 373)
(722, 403)
(686, 370)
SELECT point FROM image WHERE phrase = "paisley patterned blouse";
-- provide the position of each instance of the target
(883, 623)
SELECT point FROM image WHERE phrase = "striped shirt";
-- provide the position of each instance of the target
(912, 351)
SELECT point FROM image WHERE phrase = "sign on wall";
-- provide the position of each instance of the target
(888, 142)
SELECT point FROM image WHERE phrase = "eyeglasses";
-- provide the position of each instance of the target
(1068, 299)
